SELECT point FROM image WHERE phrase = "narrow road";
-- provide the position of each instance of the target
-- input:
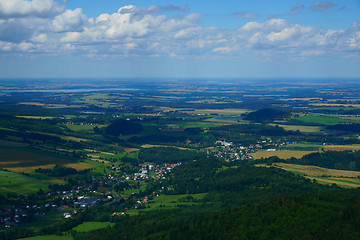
(114, 196)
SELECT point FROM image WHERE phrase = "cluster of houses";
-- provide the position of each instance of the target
(231, 152)
(159, 171)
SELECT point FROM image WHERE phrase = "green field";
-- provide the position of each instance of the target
(301, 147)
(82, 128)
(14, 182)
(9, 179)
(170, 201)
(89, 226)
(322, 120)
(49, 237)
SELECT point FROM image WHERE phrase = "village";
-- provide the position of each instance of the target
(104, 189)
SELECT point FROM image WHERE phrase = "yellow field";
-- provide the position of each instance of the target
(35, 117)
(26, 169)
(226, 111)
(129, 150)
(301, 99)
(323, 175)
(340, 148)
(79, 166)
(280, 154)
(151, 146)
(32, 103)
(64, 137)
(336, 105)
(300, 128)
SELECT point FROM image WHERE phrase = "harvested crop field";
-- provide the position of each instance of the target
(342, 178)
(280, 154)
(340, 148)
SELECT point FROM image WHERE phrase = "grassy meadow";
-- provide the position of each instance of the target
(18, 183)
(169, 202)
(89, 226)
(322, 120)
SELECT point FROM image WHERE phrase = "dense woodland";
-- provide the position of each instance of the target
(325, 215)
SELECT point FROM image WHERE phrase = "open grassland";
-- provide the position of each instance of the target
(301, 147)
(324, 175)
(225, 121)
(82, 128)
(26, 160)
(322, 120)
(89, 226)
(18, 183)
(280, 154)
(170, 201)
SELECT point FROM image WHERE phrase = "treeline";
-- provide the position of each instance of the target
(58, 171)
(345, 160)
(257, 129)
(349, 127)
(161, 155)
(123, 127)
(247, 134)
(266, 115)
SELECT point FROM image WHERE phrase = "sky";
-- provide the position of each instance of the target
(179, 39)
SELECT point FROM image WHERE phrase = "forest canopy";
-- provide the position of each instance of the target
(123, 127)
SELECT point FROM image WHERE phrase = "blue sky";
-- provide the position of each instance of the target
(179, 39)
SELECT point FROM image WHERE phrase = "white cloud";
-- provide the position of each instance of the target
(251, 26)
(24, 46)
(136, 31)
(70, 20)
(24, 8)
(354, 41)
(41, 38)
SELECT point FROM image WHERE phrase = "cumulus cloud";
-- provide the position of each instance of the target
(133, 31)
(246, 15)
(70, 20)
(25, 8)
(322, 6)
